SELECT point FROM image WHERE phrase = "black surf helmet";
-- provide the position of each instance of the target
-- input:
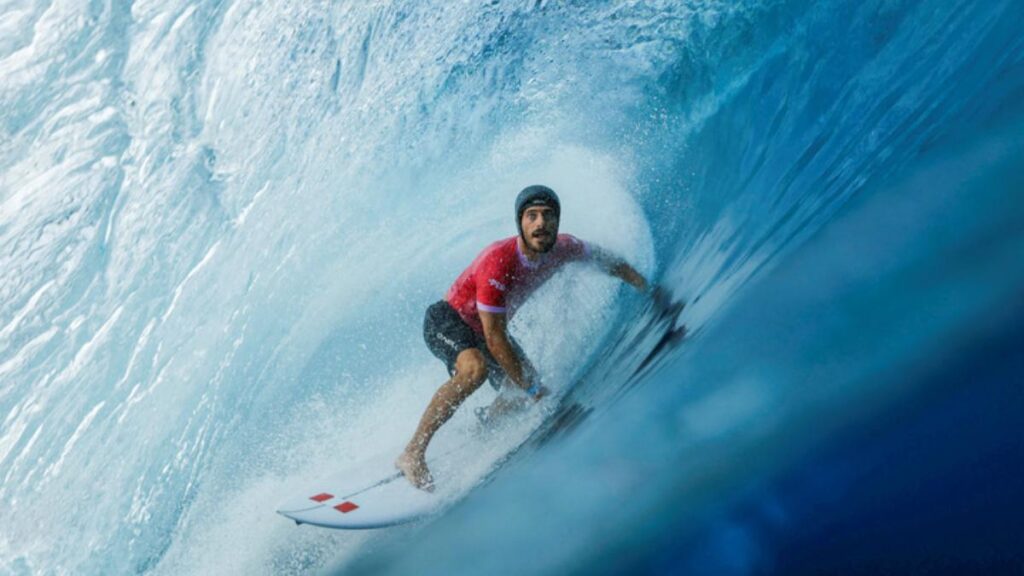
(535, 195)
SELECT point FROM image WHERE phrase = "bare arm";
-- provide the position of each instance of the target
(496, 335)
(618, 267)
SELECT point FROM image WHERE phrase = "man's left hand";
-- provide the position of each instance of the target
(540, 392)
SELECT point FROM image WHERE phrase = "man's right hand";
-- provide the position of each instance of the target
(663, 304)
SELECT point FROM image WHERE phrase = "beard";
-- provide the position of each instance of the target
(542, 244)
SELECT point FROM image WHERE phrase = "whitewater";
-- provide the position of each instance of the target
(222, 221)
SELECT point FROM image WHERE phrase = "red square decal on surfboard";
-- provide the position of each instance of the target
(345, 507)
(321, 497)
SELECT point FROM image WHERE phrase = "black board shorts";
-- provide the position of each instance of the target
(447, 335)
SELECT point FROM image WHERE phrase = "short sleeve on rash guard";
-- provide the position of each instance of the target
(490, 286)
(575, 249)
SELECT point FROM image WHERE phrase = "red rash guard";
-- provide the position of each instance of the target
(501, 278)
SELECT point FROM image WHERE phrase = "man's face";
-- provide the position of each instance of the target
(540, 228)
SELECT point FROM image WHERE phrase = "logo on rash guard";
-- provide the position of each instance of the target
(496, 284)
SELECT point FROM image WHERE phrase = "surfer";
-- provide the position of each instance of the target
(468, 329)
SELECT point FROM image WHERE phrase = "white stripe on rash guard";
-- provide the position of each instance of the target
(492, 309)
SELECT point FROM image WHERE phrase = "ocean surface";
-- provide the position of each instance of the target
(221, 223)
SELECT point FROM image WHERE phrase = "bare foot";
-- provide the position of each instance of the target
(416, 471)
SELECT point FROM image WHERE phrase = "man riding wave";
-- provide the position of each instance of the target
(468, 329)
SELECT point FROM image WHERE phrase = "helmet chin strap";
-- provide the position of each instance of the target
(519, 225)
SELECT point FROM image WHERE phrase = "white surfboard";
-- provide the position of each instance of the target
(373, 494)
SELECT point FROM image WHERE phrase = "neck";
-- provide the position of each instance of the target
(525, 250)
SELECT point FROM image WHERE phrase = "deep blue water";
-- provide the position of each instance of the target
(220, 224)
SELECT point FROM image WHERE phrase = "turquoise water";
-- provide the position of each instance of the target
(220, 224)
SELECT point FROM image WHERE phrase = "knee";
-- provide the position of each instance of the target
(471, 365)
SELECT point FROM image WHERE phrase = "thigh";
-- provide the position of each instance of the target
(446, 335)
